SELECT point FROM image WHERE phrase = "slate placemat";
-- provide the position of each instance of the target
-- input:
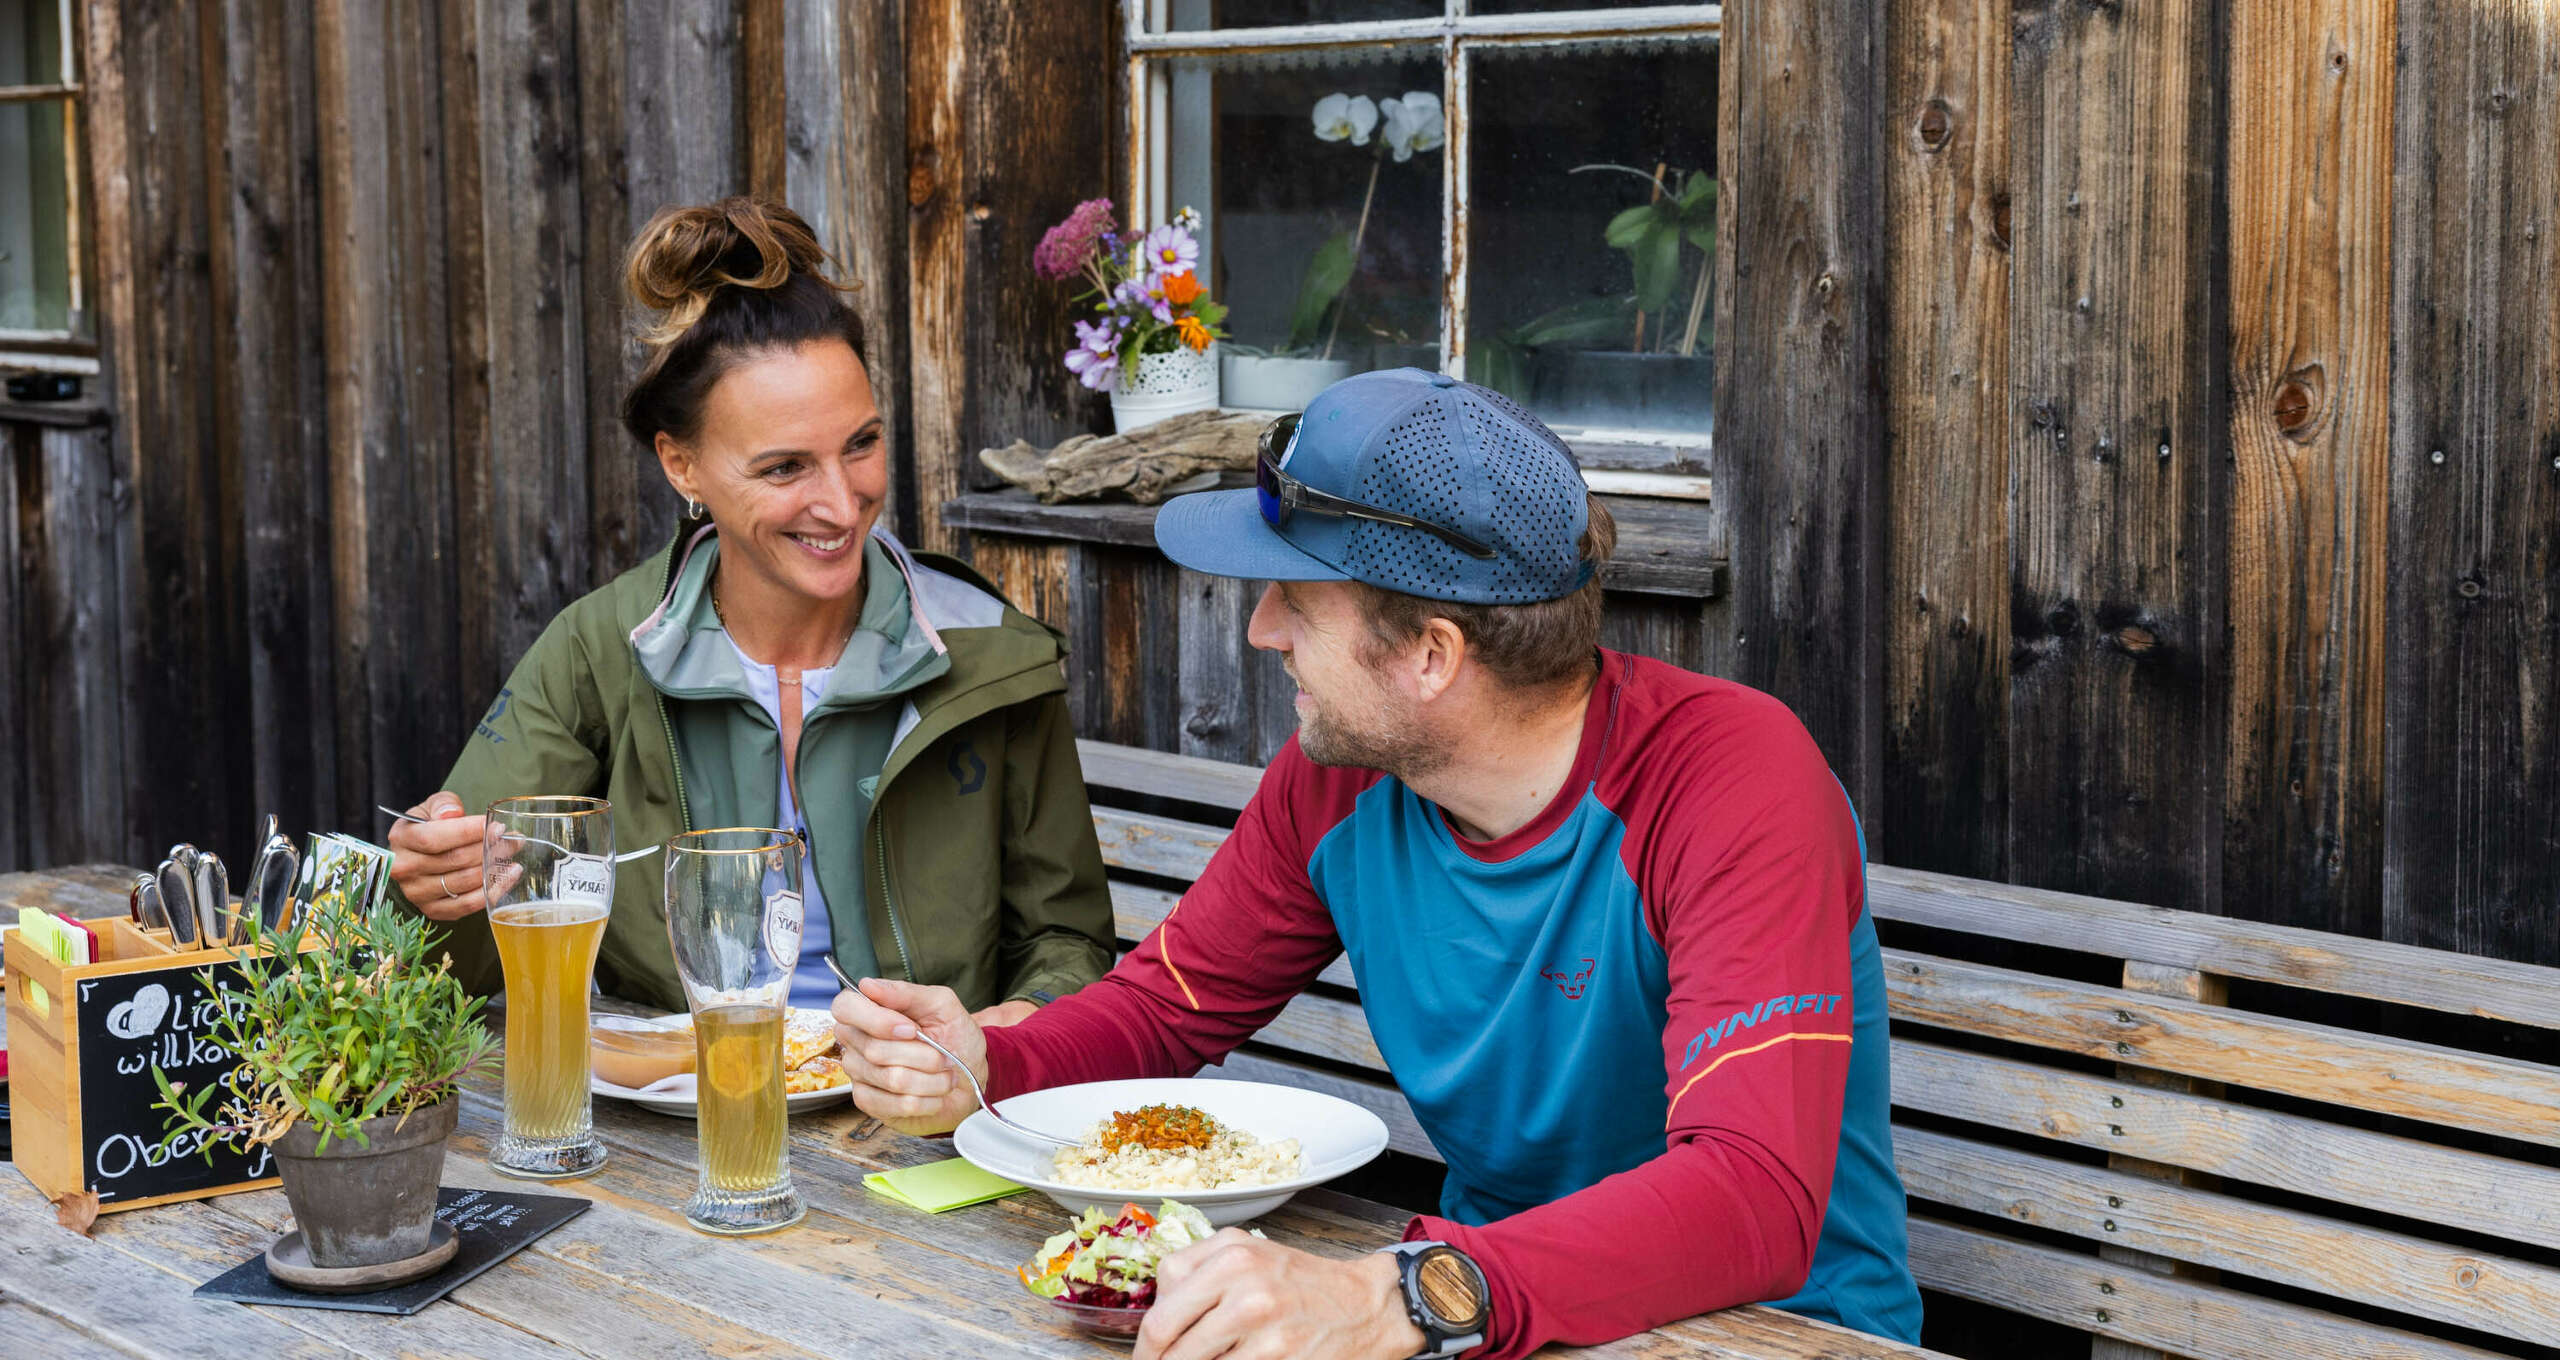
(493, 1224)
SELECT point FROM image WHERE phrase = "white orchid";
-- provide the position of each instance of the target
(1342, 116)
(1414, 123)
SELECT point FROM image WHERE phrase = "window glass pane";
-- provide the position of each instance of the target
(1589, 289)
(35, 262)
(1551, 6)
(30, 42)
(1324, 245)
(1186, 16)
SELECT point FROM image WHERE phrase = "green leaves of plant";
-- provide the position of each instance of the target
(1651, 234)
(1328, 272)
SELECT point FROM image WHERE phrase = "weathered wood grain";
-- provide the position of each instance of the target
(1155, 845)
(2405, 1274)
(393, 601)
(1162, 774)
(536, 515)
(24, 1331)
(2180, 1316)
(1238, 703)
(936, 44)
(271, 403)
(2472, 746)
(2204, 989)
(1036, 575)
(2114, 450)
(2432, 978)
(1800, 378)
(2408, 1177)
(187, 688)
(2317, 1062)
(2309, 185)
(72, 536)
(1944, 143)
(844, 168)
(66, 1276)
(18, 772)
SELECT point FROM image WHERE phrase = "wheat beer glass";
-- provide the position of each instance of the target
(548, 865)
(734, 917)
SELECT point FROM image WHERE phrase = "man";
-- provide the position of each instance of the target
(1607, 916)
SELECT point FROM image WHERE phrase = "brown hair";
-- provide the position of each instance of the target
(1526, 646)
(731, 278)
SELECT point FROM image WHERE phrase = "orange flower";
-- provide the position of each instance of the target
(1182, 289)
(1193, 333)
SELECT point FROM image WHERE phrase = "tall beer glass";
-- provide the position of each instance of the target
(734, 917)
(548, 864)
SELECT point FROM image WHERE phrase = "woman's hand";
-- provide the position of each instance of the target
(437, 862)
(897, 1078)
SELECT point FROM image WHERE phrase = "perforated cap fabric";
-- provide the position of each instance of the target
(1420, 444)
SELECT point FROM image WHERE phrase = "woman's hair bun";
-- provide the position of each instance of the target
(683, 258)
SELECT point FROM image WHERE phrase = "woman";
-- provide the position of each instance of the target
(786, 662)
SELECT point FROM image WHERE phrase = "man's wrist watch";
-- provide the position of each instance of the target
(1445, 1295)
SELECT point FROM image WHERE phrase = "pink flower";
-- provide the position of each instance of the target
(1063, 251)
(1096, 358)
(1170, 250)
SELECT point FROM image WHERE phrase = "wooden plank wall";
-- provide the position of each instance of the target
(2223, 451)
(361, 268)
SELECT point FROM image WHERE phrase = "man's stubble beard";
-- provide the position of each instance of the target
(1387, 740)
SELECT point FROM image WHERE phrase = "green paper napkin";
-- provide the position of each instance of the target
(938, 1186)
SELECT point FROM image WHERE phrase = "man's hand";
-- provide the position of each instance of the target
(1242, 1298)
(1004, 1013)
(437, 862)
(897, 1078)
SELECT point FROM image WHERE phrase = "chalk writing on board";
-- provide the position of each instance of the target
(131, 1024)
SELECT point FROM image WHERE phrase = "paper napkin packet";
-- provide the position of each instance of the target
(939, 1186)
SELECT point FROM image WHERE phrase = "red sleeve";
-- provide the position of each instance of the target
(1749, 866)
(1249, 935)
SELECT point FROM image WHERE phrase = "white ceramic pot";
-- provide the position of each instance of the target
(1166, 385)
(1271, 382)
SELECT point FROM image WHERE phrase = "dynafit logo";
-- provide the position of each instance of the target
(1573, 983)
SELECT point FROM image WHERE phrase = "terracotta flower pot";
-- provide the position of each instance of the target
(371, 1203)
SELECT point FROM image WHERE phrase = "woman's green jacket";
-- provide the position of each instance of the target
(976, 863)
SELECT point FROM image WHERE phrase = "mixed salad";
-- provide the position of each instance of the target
(1108, 1259)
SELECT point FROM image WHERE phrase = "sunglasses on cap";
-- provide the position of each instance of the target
(1282, 495)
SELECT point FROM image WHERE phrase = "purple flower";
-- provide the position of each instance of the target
(1063, 251)
(1144, 295)
(1171, 250)
(1096, 358)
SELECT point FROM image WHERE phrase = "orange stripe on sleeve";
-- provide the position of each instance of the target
(1721, 1061)
(1164, 951)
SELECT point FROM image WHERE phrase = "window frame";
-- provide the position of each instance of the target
(1150, 47)
(73, 349)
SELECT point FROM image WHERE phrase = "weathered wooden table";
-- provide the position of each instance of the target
(862, 1275)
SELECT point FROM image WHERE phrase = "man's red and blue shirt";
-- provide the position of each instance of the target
(1646, 1030)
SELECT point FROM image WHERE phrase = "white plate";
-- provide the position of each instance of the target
(1334, 1135)
(682, 1106)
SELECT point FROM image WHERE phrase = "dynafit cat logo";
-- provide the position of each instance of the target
(1572, 984)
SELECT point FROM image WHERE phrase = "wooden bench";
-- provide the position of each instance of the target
(2109, 1116)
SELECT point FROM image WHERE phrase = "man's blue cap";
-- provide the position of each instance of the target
(1422, 444)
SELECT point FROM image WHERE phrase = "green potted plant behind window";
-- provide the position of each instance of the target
(351, 1056)
(1643, 358)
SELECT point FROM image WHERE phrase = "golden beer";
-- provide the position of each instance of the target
(548, 951)
(738, 1066)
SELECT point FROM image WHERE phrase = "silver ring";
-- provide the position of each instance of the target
(448, 888)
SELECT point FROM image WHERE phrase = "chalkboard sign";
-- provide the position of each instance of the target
(130, 1022)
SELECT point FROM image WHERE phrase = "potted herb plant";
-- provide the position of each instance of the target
(1150, 344)
(351, 1053)
(1287, 378)
(1643, 357)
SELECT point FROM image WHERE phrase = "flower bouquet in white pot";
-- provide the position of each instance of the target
(1152, 342)
(1287, 378)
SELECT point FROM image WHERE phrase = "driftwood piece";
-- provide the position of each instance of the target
(1144, 465)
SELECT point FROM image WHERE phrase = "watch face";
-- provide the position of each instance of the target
(1451, 1288)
